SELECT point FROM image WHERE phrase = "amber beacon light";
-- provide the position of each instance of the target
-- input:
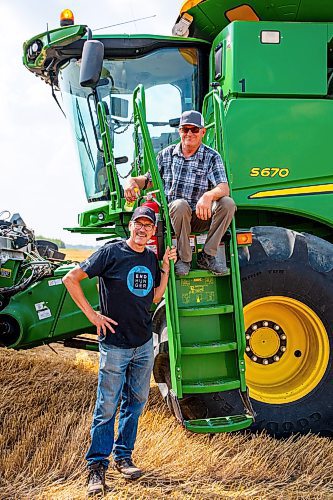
(66, 18)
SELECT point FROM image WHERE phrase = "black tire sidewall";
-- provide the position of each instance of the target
(294, 278)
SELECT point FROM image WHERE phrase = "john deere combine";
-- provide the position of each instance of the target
(262, 74)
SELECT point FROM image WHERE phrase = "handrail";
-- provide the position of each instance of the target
(111, 171)
(221, 145)
(150, 163)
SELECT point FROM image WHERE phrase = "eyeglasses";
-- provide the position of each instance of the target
(194, 130)
(147, 227)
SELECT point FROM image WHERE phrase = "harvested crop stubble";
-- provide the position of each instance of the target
(77, 254)
(45, 412)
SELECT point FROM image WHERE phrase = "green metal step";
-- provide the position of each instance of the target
(206, 311)
(209, 347)
(216, 385)
(219, 424)
(201, 273)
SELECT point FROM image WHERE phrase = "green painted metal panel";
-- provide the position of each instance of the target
(211, 16)
(203, 368)
(218, 385)
(276, 158)
(318, 11)
(211, 328)
(219, 424)
(49, 40)
(199, 273)
(99, 214)
(296, 65)
(71, 314)
(46, 316)
(206, 311)
(207, 348)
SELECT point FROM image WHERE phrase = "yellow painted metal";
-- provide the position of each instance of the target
(188, 4)
(265, 342)
(296, 191)
(304, 362)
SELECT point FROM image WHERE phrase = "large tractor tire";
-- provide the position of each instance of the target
(287, 285)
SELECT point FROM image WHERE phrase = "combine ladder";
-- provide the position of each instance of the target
(204, 312)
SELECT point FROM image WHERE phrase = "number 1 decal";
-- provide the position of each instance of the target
(242, 82)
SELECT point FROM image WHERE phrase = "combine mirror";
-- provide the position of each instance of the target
(92, 63)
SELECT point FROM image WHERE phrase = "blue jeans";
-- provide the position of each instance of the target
(125, 374)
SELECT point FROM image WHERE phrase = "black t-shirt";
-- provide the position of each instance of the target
(126, 289)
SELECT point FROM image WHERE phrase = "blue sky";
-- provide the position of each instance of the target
(39, 171)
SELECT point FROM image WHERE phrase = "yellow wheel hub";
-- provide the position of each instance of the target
(265, 342)
(287, 349)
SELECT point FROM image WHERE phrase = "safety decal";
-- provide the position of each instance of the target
(5, 273)
(201, 239)
(192, 242)
(55, 282)
(43, 311)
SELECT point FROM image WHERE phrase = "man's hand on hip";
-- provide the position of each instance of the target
(203, 208)
(102, 323)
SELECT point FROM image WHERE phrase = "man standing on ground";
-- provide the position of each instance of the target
(197, 191)
(129, 281)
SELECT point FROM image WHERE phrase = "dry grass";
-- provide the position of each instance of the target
(45, 412)
(76, 254)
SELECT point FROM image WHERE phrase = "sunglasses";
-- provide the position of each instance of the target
(186, 130)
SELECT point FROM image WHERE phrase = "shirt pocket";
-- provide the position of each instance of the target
(201, 169)
(201, 175)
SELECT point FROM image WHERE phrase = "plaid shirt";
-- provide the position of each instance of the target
(189, 178)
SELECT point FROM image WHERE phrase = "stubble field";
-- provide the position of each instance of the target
(45, 413)
(46, 406)
(76, 255)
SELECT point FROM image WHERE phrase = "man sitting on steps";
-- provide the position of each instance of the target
(197, 191)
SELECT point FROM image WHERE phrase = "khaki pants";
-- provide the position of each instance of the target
(185, 221)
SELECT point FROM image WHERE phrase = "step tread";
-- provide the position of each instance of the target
(206, 310)
(215, 385)
(201, 273)
(219, 424)
(207, 347)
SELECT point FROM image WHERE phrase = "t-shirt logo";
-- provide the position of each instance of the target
(140, 281)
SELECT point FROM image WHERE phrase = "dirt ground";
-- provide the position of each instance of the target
(45, 413)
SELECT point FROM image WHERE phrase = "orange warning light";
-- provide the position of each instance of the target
(244, 238)
(66, 18)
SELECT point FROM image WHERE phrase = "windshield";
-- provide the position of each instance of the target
(170, 79)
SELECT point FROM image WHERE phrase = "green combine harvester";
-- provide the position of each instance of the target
(262, 74)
